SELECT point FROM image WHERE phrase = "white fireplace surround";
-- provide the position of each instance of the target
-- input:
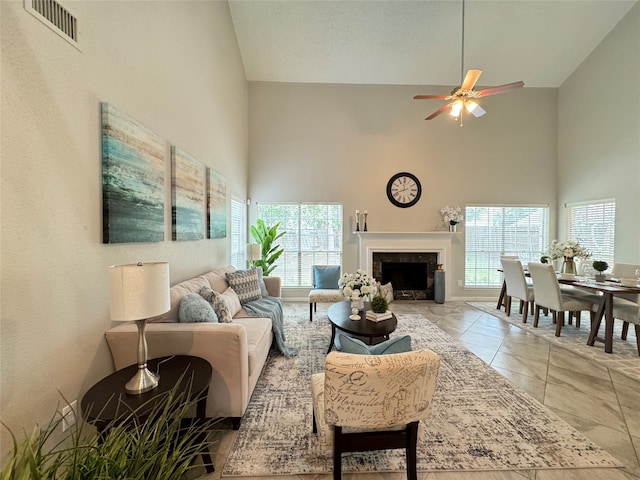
(421, 242)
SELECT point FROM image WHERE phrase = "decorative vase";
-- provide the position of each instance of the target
(453, 227)
(359, 303)
(568, 266)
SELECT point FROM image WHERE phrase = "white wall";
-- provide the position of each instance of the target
(175, 67)
(342, 143)
(599, 132)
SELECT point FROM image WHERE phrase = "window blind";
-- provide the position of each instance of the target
(492, 231)
(592, 224)
(238, 233)
(313, 237)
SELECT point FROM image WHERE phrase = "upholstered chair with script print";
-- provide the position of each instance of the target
(373, 402)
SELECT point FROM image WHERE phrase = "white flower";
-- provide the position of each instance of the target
(358, 285)
(451, 215)
(568, 249)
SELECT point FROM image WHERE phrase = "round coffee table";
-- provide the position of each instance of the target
(375, 332)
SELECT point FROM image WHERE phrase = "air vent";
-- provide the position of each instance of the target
(56, 17)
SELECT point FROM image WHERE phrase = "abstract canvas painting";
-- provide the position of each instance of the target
(133, 167)
(187, 194)
(216, 205)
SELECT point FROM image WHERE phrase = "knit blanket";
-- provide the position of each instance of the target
(271, 307)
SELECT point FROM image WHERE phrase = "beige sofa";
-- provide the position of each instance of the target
(237, 351)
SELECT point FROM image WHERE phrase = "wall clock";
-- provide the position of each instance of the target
(404, 189)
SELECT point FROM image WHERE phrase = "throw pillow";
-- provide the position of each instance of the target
(217, 302)
(194, 308)
(230, 297)
(393, 345)
(386, 291)
(263, 286)
(326, 276)
(245, 284)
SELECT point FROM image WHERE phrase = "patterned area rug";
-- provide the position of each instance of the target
(480, 421)
(624, 358)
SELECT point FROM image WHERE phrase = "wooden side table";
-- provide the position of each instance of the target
(107, 400)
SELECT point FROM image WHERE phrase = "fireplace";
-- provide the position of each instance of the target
(434, 246)
(410, 273)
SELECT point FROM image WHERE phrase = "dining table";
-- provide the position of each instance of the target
(607, 290)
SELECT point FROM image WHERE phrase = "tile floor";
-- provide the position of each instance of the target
(602, 404)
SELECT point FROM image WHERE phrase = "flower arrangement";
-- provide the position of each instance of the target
(451, 215)
(358, 285)
(567, 249)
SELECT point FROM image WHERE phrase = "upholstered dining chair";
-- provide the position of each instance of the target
(373, 402)
(630, 300)
(517, 286)
(549, 295)
(628, 312)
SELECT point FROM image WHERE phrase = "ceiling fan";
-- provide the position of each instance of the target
(463, 97)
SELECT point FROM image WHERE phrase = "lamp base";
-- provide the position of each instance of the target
(142, 381)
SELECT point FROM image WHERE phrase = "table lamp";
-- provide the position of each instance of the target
(138, 292)
(254, 252)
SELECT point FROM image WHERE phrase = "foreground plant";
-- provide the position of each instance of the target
(164, 447)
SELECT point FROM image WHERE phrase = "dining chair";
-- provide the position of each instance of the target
(548, 294)
(631, 300)
(502, 301)
(517, 286)
(628, 312)
(373, 402)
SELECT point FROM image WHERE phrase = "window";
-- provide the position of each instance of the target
(492, 231)
(238, 233)
(592, 224)
(313, 237)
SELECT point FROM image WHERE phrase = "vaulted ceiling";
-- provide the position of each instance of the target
(420, 42)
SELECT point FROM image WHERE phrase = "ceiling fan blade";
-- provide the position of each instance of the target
(438, 112)
(474, 109)
(470, 79)
(500, 89)
(430, 97)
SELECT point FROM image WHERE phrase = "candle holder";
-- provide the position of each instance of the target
(365, 221)
(357, 220)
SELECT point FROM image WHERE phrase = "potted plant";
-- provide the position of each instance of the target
(163, 449)
(379, 304)
(270, 249)
(600, 266)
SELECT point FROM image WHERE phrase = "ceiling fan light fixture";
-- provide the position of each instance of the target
(456, 108)
(474, 109)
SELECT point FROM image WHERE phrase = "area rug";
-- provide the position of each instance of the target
(624, 358)
(480, 421)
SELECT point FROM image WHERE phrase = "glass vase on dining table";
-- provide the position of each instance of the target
(568, 266)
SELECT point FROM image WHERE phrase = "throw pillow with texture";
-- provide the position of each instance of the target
(245, 284)
(194, 308)
(217, 302)
(326, 276)
(386, 291)
(393, 345)
(230, 297)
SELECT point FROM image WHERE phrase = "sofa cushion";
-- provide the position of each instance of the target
(230, 297)
(326, 276)
(393, 345)
(218, 278)
(259, 335)
(218, 303)
(245, 284)
(176, 293)
(194, 308)
(386, 291)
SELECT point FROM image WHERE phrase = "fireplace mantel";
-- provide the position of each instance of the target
(436, 242)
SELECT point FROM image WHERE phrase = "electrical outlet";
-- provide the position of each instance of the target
(69, 415)
(460, 283)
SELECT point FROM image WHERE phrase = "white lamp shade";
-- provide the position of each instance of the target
(139, 291)
(254, 251)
